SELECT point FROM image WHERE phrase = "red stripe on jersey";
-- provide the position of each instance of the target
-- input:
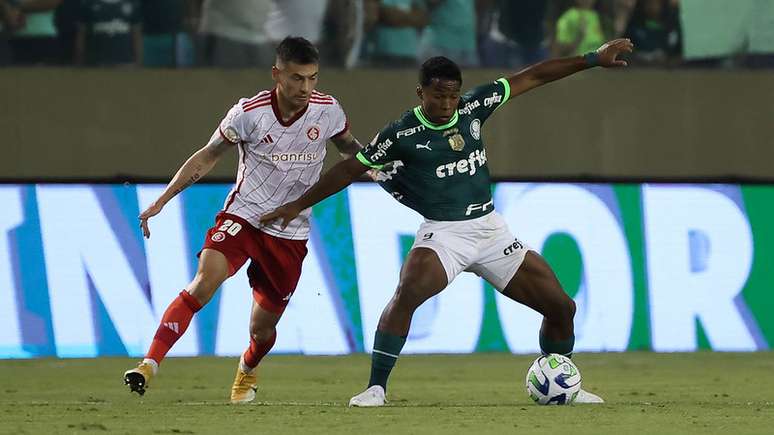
(256, 101)
(321, 102)
(261, 95)
(343, 130)
(261, 100)
(257, 105)
(241, 179)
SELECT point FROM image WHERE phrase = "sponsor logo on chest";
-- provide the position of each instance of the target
(294, 157)
(410, 131)
(469, 166)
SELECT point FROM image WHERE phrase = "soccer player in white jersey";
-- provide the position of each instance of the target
(281, 136)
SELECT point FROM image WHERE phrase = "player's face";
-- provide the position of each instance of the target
(440, 99)
(295, 82)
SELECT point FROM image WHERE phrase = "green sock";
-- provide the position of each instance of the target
(387, 347)
(562, 347)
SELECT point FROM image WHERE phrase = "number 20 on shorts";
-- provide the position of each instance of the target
(230, 227)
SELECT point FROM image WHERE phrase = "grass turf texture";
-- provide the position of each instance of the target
(484, 393)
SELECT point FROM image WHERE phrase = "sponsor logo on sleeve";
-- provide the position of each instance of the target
(494, 99)
(218, 237)
(468, 108)
(381, 150)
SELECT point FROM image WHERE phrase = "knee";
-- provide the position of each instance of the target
(562, 309)
(565, 309)
(261, 334)
(407, 295)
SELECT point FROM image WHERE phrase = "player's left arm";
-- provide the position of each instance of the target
(548, 71)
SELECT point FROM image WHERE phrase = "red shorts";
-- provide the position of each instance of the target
(275, 263)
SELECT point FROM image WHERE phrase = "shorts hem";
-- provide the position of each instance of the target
(265, 303)
(512, 275)
(226, 253)
(443, 257)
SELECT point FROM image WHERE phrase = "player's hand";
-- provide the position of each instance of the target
(609, 52)
(373, 174)
(153, 210)
(286, 213)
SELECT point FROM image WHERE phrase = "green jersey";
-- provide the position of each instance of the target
(439, 170)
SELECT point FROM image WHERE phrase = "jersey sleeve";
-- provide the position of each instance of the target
(383, 149)
(338, 121)
(233, 126)
(483, 100)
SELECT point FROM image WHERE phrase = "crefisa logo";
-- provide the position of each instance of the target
(218, 237)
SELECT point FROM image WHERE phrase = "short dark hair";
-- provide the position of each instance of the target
(441, 68)
(297, 50)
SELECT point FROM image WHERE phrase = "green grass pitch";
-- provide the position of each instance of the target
(480, 394)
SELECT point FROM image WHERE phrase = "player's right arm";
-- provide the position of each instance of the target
(198, 165)
(341, 175)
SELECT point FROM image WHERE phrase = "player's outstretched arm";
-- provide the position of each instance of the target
(198, 165)
(554, 69)
(338, 177)
(348, 146)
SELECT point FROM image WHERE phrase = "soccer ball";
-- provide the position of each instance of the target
(553, 380)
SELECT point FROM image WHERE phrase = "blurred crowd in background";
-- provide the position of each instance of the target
(382, 33)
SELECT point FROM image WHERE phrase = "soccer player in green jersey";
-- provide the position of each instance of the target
(433, 160)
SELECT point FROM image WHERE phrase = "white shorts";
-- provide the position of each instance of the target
(483, 246)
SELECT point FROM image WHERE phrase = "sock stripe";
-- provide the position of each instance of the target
(385, 353)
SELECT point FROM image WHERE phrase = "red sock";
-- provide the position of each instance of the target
(174, 322)
(257, 351)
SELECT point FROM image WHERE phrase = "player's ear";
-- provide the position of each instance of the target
(419, 92)
(275, 73)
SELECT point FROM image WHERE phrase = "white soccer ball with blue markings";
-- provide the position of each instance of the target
(553, 380)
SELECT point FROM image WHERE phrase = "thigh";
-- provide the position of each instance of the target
(274, 270)
(422, 276)
(454, 248)
(231, 237)
(535, 285)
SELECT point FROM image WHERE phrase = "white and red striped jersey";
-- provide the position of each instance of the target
(278, 161)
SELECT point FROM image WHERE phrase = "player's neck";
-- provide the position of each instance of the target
(287, 109)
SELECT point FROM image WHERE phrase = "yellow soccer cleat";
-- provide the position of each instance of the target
(137, 378)
(244, 388)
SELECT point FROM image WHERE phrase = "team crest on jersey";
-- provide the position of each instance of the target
(475, 129)
(218, 237)
(313, 133)
(456, 142)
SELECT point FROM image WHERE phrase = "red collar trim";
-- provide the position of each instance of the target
(278, 115)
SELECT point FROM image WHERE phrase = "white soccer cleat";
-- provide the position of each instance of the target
(373, 396)
(586, 397)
